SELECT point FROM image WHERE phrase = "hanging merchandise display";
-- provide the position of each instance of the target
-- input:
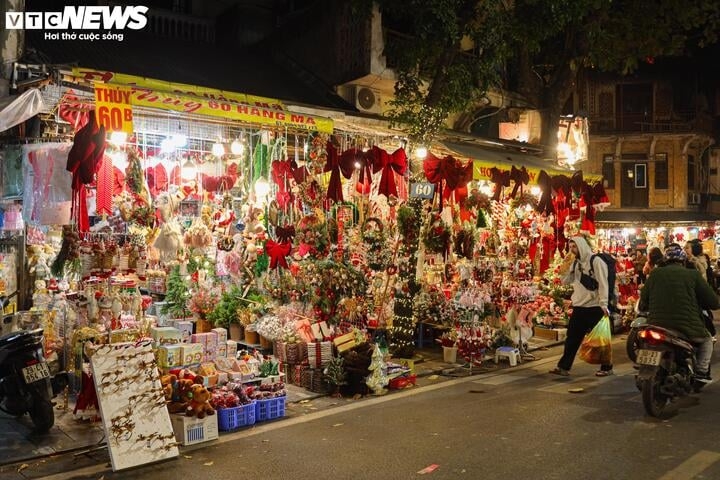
(236, 256)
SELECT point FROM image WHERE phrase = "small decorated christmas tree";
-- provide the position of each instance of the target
(177, 294)
(335, 375)
(378, 378)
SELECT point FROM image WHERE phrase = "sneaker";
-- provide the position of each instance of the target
(703, 378)
(560, 371)
(604, 373)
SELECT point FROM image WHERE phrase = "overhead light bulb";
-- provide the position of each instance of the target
(218, 149)
(118, 138)
(167, 146)
(189, 170)
(421, 152)
(262, 188)
(236, 147)
(535, 191)
(179, 140)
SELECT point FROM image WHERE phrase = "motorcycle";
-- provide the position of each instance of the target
(632, 344)
(26, 384)
(667, 366)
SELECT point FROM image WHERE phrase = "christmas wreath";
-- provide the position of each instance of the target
(437, 235)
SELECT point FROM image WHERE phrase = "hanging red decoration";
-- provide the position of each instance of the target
(281, 172)
(521, 177)
(449, 173)
(83, 162)
(390, 164)
(501, 179)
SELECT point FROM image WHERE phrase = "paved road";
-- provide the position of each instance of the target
(514, 424)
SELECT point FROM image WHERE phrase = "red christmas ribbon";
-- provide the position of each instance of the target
(449, 172)
(277, 253)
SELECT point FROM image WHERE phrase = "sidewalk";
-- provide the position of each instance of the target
(19, 444)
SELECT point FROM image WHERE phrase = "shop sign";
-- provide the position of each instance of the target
(422, 189)
(113, 108)
(482, 171)
(206, 101)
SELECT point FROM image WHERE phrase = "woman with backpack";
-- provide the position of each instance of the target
(589, 302)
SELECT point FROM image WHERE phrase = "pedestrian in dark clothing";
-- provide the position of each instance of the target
(588, 306)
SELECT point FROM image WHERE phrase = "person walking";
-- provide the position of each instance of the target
(673, 296)
(588, 305)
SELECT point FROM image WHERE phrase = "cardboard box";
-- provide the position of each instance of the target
(165, 335)
(191, 353)
(191, 430)
(169, 356)
(344, 339)
(221, 333)
(232, 349)
(554, 334)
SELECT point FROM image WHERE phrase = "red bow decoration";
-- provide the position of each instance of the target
(346, 164)
(277, 253)
(521, 177)
(450, 170)
(501, 179)
(83, 162)
(545, 204)
(282, 172)
(390, 164)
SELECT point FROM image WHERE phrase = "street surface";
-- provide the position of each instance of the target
(516, 423)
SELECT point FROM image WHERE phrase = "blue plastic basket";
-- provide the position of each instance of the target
(236, 417)
(270, 408)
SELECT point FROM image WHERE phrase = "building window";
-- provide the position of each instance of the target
(608, 171)
(640, 175)
(661, 171)
(691, 172)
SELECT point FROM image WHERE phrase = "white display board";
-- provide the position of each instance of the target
(132, 405)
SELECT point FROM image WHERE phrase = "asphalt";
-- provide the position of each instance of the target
(84, 439)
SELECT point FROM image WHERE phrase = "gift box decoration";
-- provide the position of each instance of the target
(232, 348)
(319, 353)
(281, 352)
(292, 352)
(165, 335)
(304, 330)
(222, 335)
(169, 356)
(298, 373)
(191, 353)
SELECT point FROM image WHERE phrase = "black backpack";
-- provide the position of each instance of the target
(611, 278)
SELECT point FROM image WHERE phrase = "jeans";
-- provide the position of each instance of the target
(703, 353)
(582, 321)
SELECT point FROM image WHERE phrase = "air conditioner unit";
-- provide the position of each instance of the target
(368, 100)
(693, 199)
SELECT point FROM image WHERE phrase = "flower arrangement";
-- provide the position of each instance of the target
(449, 338)
(203, 302)
(427, 305)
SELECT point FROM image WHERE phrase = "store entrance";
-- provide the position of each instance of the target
(634, 191)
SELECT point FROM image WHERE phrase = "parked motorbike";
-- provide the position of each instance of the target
(26, 384)
(667, 366)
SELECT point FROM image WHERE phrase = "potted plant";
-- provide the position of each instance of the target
(449, 341)
(225, 311)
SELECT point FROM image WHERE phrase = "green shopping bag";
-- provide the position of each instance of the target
(596, 347)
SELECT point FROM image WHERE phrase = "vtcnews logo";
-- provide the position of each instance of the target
(80, 18)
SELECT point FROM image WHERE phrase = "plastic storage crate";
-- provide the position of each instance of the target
(236, 417)
(270, 408)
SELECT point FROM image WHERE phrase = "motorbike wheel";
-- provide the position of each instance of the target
(631, 345)
(654, 401)
(42, 414)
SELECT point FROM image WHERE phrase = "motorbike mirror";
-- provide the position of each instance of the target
(5, 301)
